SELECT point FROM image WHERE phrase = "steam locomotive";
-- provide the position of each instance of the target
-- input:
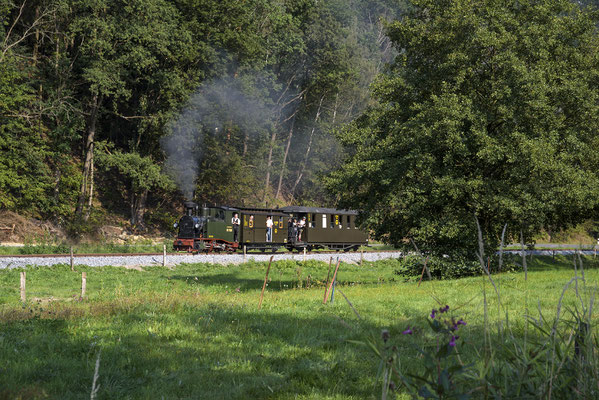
(211, 229)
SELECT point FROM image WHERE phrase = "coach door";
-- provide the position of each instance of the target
(249, 228)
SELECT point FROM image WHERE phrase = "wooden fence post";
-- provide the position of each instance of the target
(361, 257)
(326, 286)
(72, 268)
(304, 255)
(423, 269)
(83, 284)
(333, 280)
(265, 280)
(333, 292)
(23, 279)
(244, 253)
(164, 255)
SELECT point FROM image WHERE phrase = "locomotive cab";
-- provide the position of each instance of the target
(212, 230)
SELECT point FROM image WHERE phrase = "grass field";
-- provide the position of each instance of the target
(196, 332)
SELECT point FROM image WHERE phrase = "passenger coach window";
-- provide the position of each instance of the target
(332, 221)
(324, 220)
(348, 225)
(280, 222)
(312, 221)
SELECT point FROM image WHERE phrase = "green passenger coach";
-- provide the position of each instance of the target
(295, 228)
(328, 227)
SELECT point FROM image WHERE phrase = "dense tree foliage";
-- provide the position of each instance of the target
(488, 113)
(91, 89)
(483, 111)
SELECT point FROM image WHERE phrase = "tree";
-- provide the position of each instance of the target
(141, 175)
(488, 114)
(24, 177)
(132, 61)
(346, 48)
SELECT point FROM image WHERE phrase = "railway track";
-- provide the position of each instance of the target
(249, 253)
(556, 251)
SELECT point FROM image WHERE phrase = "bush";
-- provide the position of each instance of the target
(447, 267)
(44, 248)
(77, 227)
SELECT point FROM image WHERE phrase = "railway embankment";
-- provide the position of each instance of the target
(176, 259)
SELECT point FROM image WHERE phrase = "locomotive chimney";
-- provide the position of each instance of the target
(190, 206)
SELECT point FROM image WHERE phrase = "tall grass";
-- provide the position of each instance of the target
(538, 357)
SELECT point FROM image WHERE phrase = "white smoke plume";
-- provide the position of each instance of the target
(215, 104)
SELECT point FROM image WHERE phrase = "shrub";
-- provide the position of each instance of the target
(447, 267)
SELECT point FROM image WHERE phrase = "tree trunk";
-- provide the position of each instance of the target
(138, 209)
(37, 37)
(273, 139)
(246, 139)
(335, 109)
(285, 158)
(87, 184)
(56, 195)
(90, 196)
(300, 173)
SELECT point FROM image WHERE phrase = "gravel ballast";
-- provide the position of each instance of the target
(171, 259)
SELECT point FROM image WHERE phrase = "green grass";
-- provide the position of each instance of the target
(63, 248)
(195, 331)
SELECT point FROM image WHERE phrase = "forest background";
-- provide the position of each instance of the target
(124, 109)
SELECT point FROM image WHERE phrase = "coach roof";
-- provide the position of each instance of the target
(317, 210)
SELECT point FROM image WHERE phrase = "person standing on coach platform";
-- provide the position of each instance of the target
(235, 222)
(269, 229)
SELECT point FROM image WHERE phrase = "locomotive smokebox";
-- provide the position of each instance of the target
(190, 207)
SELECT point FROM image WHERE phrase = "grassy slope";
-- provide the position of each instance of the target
(195, 331)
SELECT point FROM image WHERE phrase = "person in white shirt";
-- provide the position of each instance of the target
(235, 223)
(269, 229)
(301, 226)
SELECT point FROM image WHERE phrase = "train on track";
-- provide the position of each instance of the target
(294, 228)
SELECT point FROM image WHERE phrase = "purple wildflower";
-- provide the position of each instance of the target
(407, 331)
(444, 309)
(433, 314)
(452, 341)
(456, 325)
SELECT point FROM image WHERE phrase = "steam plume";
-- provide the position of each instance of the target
(208, 110)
